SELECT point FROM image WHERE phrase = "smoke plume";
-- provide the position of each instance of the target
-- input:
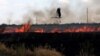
(73, 11)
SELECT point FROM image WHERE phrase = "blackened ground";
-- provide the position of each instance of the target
(68, 43)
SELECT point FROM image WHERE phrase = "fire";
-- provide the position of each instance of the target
(56, 30)
(39, 30)
(24, 28)
(82, 29)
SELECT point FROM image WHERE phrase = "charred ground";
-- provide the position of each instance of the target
(68, 43)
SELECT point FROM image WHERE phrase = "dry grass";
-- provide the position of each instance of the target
(41, 51)
(6, 51)
(22, 51)
(46, 50)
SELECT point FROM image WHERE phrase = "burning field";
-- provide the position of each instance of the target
(36, 28)
(69, 39)
(51, 28)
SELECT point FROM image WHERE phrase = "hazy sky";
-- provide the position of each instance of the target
(16, 9)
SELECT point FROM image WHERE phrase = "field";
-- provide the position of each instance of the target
(50, 40)
(51, 28)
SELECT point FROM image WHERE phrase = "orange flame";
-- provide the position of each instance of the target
(56, 30)
(82, 29)
(39, 30)
(24, 28)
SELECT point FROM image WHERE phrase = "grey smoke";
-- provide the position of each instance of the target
(73, 12)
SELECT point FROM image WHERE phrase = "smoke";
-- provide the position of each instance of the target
(48, 14)
(73, 11)
(44, 11)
